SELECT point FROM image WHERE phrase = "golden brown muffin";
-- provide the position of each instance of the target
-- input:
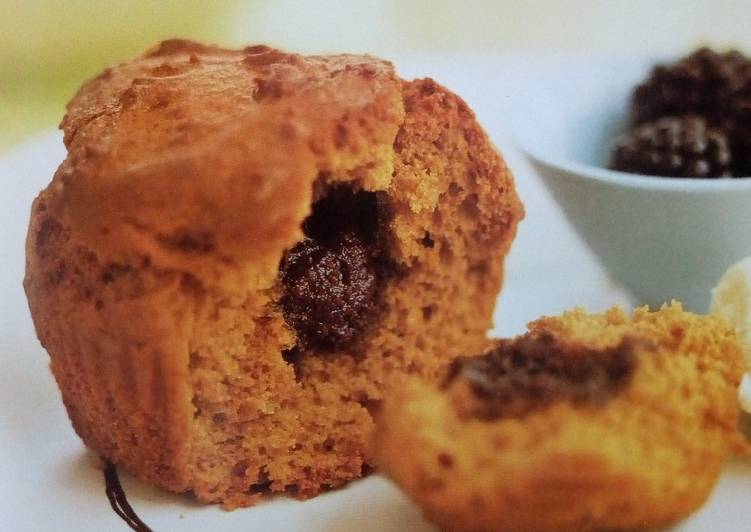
(243, 246)
(587, 422)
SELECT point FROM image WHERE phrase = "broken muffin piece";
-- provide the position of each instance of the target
(243, 247)
(587, 422)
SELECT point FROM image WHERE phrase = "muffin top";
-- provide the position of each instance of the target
(205, 156)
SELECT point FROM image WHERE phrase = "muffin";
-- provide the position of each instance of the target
(243, 247)
(586, 422)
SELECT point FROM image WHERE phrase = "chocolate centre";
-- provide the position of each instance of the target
(331, 278)
(534, 371)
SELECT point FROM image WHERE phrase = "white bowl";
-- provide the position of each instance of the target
(663, 238)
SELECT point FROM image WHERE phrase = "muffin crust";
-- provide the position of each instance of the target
(153, 260)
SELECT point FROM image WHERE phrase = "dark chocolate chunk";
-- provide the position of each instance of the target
(536, 370)
(331, 279)
(329, 289)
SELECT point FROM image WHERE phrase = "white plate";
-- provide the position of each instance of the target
(48, 481)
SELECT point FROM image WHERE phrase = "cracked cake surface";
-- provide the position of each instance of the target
(243, 247)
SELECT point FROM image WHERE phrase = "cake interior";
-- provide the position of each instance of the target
(293, 422)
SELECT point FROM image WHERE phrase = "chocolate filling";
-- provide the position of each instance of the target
(332, 278)
(536, 370)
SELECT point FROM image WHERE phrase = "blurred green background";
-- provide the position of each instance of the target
(48, 48)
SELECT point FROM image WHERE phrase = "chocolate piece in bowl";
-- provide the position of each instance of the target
(674, 146)
(701, 83)
(689, 119)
